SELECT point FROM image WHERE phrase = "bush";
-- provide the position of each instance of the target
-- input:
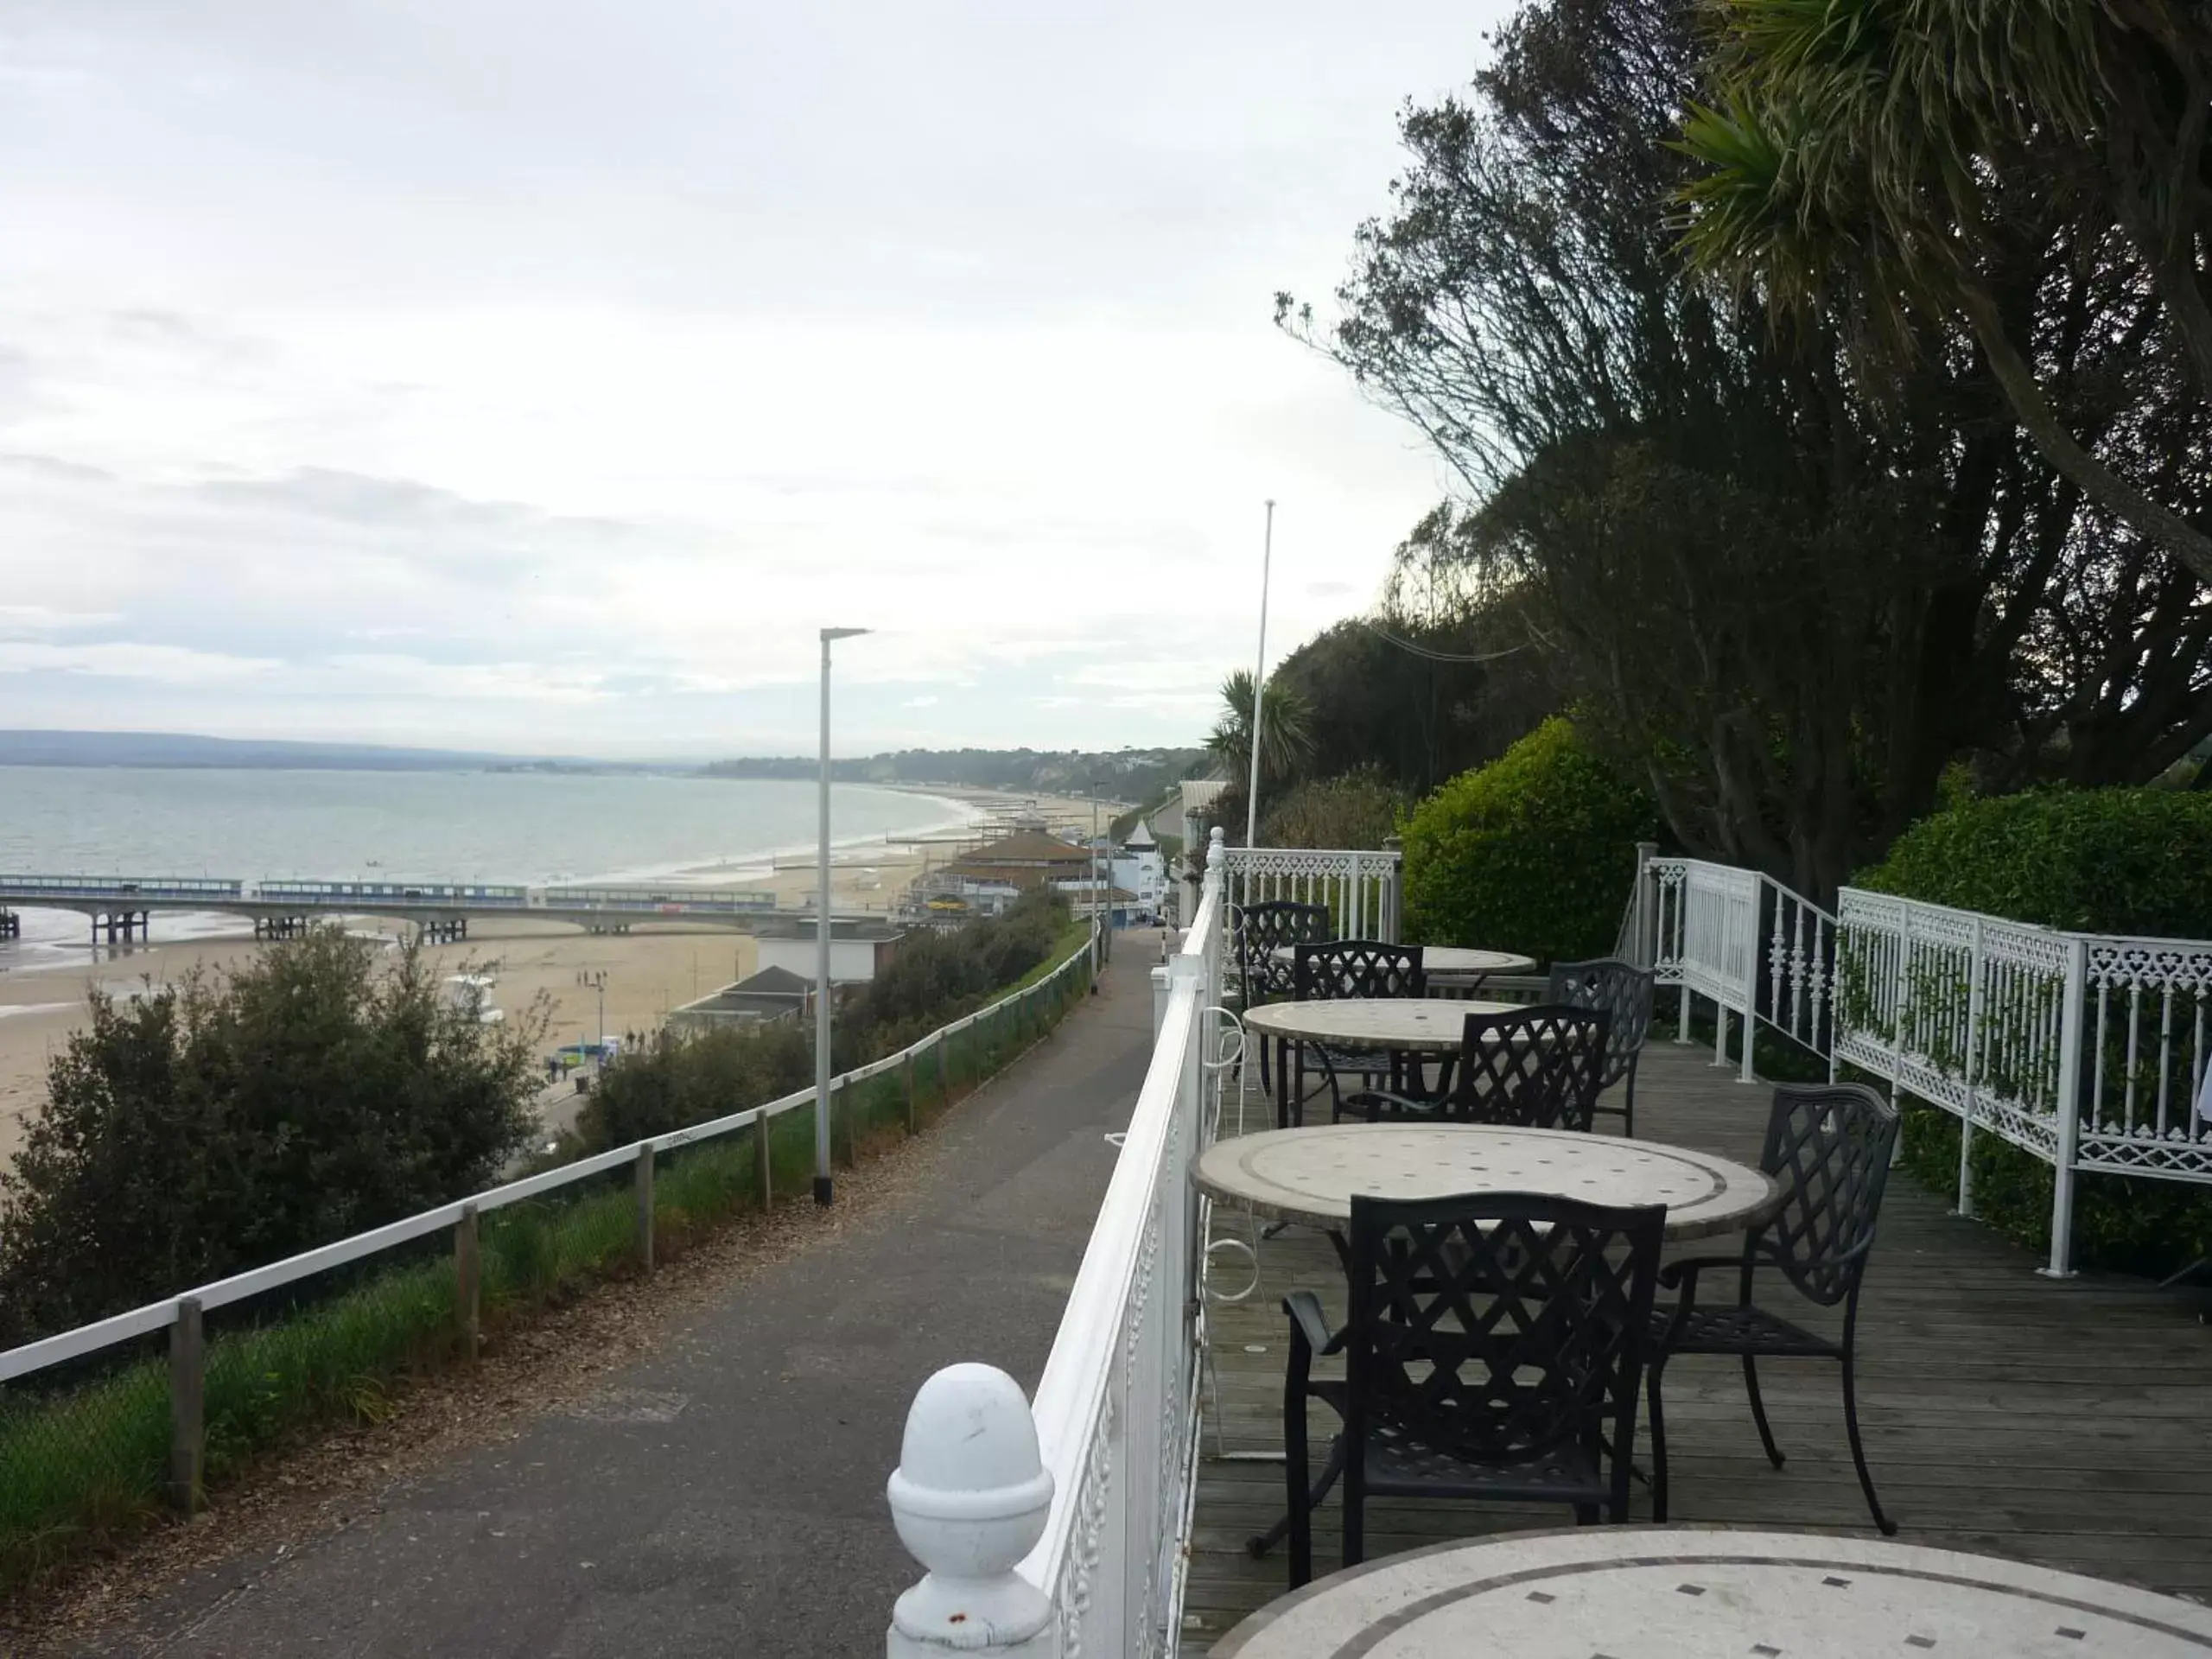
(2104, 861)
(1358, 809)
(677, 1078)
(1533, 853)
(2094, 861)
(229, 1121)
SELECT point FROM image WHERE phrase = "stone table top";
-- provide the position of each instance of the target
(1309, 1176)
(1452, 961)
(1403, 1025)
(1685, 1593)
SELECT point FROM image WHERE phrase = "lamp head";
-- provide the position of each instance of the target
(827, 634)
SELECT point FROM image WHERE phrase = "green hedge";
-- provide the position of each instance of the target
(1533, 853)
(2095, 860)
(2104, 861)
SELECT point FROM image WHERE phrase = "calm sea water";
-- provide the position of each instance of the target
(516, 827)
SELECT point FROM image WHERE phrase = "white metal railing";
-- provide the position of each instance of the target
(1360, 888)
(1753, 946)
(1057, 1528)
(2087, 1051)
(155, 1316)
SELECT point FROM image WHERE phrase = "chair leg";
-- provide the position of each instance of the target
(1300, 1518)
(1859, 1451)
(1260, 1543)
(1658, 1419)
(1586, 1514)
(1355, 1505)
(1628, 1107)
(1759, 1411)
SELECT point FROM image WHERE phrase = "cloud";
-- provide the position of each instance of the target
(131, 660)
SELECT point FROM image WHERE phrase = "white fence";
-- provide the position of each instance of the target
(2086, 1051)
(1360, 888)
(1056, 1529)
(1753, 947)
(155, 1316)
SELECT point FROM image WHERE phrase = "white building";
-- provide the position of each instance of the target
(1141, 871)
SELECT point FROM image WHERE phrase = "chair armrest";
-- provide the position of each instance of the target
(1308, 1324)
(1682, 1275)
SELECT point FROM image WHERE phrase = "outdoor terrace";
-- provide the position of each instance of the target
(2059, 1421)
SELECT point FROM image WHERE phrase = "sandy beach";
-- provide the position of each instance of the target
(655, 968)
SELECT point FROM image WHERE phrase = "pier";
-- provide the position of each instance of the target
(123, 906)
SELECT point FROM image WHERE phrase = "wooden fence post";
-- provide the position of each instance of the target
(763, 1162)
(187, 1405)
(944, 1070)
(645, 1191)
(841, 1117)
(908, 1082)
(468, 1282)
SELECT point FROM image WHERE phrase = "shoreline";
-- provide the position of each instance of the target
(659, 965)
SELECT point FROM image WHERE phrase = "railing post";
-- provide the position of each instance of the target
(906, 1081)
(187, 1405)
(2068, 1103)
(1394, 891)
(1642, 950)
(1970, 1069)
(1160, 979)
(467, 1282)
(1357, 902)
(944, 1071)
(1750, 944)
(969, 1500)
(764, 1160)
(642, 1183)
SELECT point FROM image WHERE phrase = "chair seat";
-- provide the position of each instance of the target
(1742, 1329)
(1399, 1464)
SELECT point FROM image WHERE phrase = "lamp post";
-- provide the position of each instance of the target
(596, 980)
(1259, 684)
(822, 939)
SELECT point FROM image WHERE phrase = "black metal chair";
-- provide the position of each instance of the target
(1494, 1350)
(1622, 991)
(1347, 968)
(1539, 1068)
(1261, 931)
(1829, 1146)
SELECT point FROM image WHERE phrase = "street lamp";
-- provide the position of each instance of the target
(822, 940)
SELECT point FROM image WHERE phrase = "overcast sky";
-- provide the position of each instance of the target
(541, 376)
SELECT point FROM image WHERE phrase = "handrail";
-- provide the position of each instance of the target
(85, 1339)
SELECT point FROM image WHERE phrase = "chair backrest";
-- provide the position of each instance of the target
(1539, 1068)
(1622, 990)
(1263, 929)
(1500, 1327)
(1344, 968)
(1828, 1144)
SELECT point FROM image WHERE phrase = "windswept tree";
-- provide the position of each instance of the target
(1784, 601)
(1880, 156)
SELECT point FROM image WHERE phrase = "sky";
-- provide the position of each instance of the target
(541, 376)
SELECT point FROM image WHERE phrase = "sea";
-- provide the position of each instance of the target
(517, 827)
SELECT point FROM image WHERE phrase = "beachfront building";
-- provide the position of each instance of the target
(1140, 870)
(858, 950)
(772, 996)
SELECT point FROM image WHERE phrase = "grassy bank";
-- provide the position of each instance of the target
(83, 1461)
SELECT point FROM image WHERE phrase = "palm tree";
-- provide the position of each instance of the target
(1285, 734)
(1863, 151)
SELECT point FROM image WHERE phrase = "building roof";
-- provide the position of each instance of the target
(1026, 847)
(1140, 838)
(1199, 793)
(774, 982)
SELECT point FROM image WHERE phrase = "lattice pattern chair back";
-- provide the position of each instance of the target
(1260, 931)
(1622, 991)
(1499, 1328)
(1363, 968)
(1539, 1068)
(1829, 1146)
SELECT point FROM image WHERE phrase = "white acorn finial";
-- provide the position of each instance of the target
(969, 1499)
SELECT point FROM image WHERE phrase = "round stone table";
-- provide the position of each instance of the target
(1402, 1025)
(1451, 961)
(1700, 1593)
(1310, 1176)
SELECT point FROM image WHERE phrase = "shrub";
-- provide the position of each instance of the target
(677, 1078)
(1533, 853)
(2096, 861)
(2104, 861)
(1357, 809)
(232, 1120)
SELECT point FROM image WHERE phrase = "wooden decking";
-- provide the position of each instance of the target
(2063, 1422)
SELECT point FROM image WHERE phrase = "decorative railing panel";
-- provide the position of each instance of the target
(1749, 943)
(1361, 888)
